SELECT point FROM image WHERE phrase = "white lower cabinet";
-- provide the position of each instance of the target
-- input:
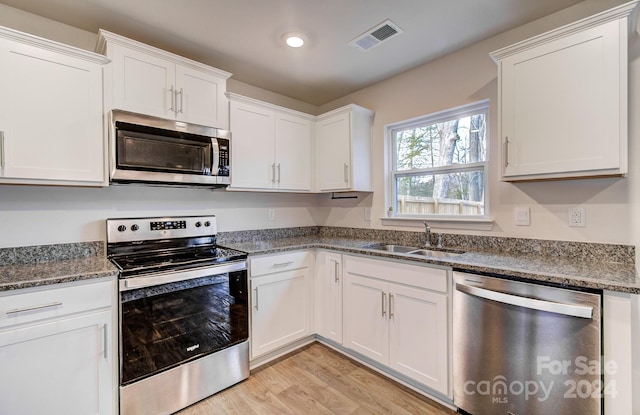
(397, 314)
(57, 350)
(328, 296)
(281, 301)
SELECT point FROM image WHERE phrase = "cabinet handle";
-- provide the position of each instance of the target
(173, 99)
(506, 152)
(278, 172)
(255, 303)
(105, 339)
(384, 302)
(181, 100)
(336, 270)
(273, 172)
(1, 148)
(34, 308)
(346, 173)
(391, 306)
(282, 264)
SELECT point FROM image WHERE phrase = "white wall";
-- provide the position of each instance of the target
(35, 215)
(470, 75)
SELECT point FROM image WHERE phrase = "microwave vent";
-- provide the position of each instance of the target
(376, 35)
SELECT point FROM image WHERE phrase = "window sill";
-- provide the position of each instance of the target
(467, 223)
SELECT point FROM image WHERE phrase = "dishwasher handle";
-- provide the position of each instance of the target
(526, 302)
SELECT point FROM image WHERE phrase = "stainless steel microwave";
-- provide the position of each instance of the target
(145, 149)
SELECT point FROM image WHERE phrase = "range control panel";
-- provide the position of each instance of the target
(143, 229)
(169, 224)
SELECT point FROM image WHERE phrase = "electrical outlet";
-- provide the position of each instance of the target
(522, 216)
(577, 217)
(272, 214)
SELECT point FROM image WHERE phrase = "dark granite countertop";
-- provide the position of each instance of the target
(41, 265)
(573, 265)
(14, 277)
(563, 270)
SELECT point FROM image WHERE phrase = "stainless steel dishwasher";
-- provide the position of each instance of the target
(521, 348)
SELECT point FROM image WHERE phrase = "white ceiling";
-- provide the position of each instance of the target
(244, 36)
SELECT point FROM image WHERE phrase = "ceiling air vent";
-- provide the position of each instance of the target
(376, 35)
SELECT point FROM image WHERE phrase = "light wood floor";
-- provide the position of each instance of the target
(316, 380)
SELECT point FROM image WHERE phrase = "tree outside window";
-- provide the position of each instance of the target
(440, 163)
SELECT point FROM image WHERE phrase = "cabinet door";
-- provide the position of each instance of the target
(58, 367)
(329, 296)
(418, 335)
(143, 83)
(333, 147)
(50, 116)
(561, 104)
(366, 328)
(253, 164)
(293, 152)
(200, 98)
(281, 310)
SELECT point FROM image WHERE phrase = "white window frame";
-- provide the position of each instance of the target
(477, 222)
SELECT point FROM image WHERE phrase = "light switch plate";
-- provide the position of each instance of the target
(367, 213)
(522, 216)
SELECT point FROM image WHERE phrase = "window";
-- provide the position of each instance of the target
(439, 164)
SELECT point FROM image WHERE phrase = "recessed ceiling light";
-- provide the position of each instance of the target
(294, 40)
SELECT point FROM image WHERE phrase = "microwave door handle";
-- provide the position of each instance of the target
(215, 156)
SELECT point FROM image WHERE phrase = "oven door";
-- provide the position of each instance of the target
(174, 318)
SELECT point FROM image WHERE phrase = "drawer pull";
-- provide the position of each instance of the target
(34, 308)
(282, 264)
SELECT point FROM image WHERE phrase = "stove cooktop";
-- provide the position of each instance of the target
(163, 244)
(163, 261)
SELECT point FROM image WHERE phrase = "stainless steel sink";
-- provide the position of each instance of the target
(398, 249)
(435, 254)
(412, 250)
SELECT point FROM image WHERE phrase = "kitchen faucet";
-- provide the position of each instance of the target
(427, 234)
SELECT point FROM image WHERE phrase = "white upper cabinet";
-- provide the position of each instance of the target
(271, 146)
(51, 129)
(563, 100)
(343, 150)
(151, 81)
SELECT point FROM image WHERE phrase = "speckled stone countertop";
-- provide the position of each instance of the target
(573, 264)
(568, 264)
(34, 266)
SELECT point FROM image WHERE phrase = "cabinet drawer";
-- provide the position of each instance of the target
(429, 278)
(45, 303)
(269, 264)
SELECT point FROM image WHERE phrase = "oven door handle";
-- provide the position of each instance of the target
(526, 302)
(183, 275)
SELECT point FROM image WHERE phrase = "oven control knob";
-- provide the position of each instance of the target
(134, 227)
(122, 228)
(207, 223)
(198, 224)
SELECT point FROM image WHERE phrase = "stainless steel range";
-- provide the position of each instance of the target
(183, 312)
